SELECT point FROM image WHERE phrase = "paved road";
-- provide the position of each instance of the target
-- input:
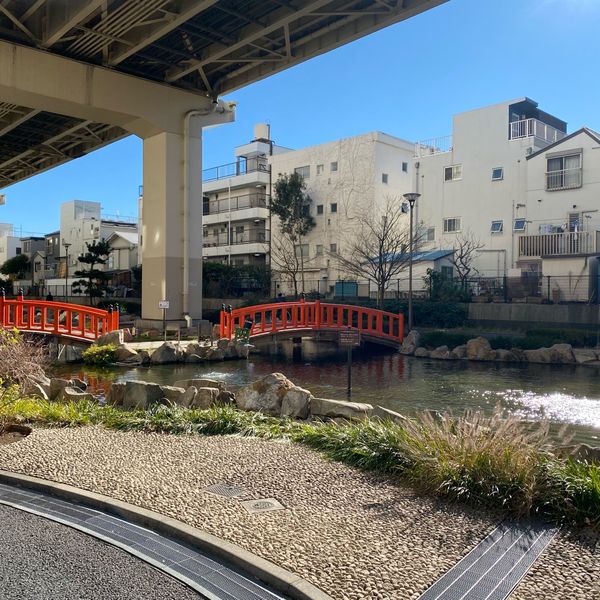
(44, 560)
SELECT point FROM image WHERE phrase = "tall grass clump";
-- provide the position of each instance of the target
(485, 460)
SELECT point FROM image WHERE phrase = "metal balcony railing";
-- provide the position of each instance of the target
(242, 167)
(225, 205)
(246, 237)
(564, 179)
(535, 128)
(436, 145)
(559, 244)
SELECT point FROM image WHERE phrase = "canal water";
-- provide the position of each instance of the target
(561, 394)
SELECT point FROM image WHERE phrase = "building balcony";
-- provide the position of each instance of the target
(243, 166)
(237, 239)
(536, 129)
(235, 203)
(559, 244)
(437, 145)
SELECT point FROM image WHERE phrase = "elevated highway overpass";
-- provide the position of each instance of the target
(76, 75)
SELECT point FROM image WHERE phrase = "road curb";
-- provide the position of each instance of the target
(280, 579)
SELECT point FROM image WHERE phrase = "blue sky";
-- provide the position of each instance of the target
(407, 80)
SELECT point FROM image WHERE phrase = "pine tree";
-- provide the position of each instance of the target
(93, 281)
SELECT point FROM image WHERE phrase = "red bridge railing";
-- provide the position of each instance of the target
(282, 316)
(57, 318)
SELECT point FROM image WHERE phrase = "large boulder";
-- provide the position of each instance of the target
(32, 388)
(519, 354)
(505, 356)
(72, 394)
(296, 403)
(460, 351)
(175, 395)
(57, 385)
(411, 342)
(125, 354)
(421, 352)
(441, 352)
(223, 344)
(386, 414)
(117, 338)
(562, 354)
(141, 395)
(580, 452)
(212, 383)
(324, 407)
(479, 349)
(166, 353)
(584, 355)
(226, 397)
(265, 395)
(540, 355)
(215, 354)
(116, 394)
(204, 397)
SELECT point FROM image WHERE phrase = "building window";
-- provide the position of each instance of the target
(302, 251)
(38, 267)
(384, 178)
(319, 249)
(564, 172)
(452, 225)
(333, 207)
(405, 167)
(319, 209)
(333, 166)
(333, 248)
(304, 172)
(519, 225)
(497, 174)
(430, 234)
(447, 272)
(17, 250)
(453, 173)
(497, 226)
(319, 169)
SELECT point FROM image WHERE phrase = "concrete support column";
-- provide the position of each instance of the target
(172, 217)
(164, 226)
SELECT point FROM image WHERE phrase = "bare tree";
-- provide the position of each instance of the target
(378, 250)
(466, 249)
(286, 260)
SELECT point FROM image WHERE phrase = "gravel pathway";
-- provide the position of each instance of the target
(43, 559)
(354, 535)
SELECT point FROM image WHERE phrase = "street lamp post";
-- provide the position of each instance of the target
(66, 245)
(411, 198)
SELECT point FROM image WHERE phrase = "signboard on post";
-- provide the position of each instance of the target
(164, 306)
(349, 338)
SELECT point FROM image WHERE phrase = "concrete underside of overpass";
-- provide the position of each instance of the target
(77, 75)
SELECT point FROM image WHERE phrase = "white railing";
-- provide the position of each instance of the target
(559, 244)
(563, 179)
(436, 145)
(535, 128)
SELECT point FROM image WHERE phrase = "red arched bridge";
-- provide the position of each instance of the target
(295, 318)
(84, 323)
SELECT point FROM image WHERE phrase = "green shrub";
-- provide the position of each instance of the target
(100, 355)
(124, 306)
(434, 339)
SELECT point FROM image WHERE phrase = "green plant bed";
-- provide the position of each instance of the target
(495, 462)
(100, 355)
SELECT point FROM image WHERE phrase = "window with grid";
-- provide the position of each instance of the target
(333, 166)
(564, 172)
(304, 172)
(452, 225)
(452, 173)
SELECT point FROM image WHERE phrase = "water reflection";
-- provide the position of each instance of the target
(563, 394)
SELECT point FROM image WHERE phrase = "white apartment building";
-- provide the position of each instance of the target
(10, 244)
(236, 220)
(346, 180)
(473, 183)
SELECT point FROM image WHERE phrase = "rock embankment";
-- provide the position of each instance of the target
(479, 349)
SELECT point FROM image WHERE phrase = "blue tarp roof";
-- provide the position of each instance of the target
(427, 255)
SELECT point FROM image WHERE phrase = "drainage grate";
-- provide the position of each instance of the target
(495, 566)
(225, 489)
(206, 574)
(262, 505)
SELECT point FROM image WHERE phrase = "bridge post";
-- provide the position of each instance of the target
(318, 314)
(2, 315)
(401, 326)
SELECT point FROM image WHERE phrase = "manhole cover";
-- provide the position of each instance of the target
(225, 489)
(262, 505)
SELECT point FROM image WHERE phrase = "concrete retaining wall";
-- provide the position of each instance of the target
(541, 315)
